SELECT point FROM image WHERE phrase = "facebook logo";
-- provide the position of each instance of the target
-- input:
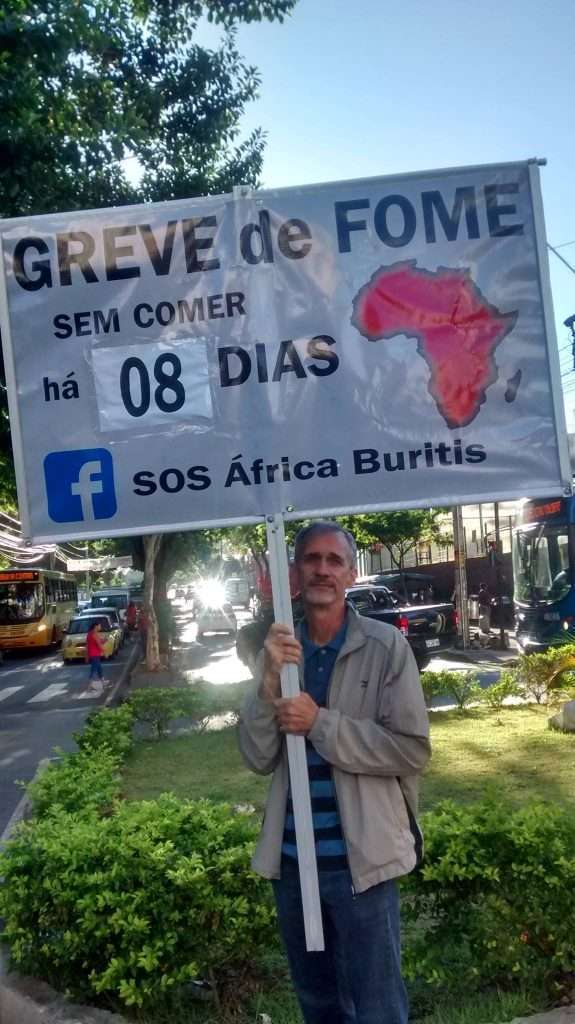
(80, 485)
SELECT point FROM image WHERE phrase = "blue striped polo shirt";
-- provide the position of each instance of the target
(329, 842)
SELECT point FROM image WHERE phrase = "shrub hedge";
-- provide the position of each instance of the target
(133, 905)
(494, 902)
(120, 902)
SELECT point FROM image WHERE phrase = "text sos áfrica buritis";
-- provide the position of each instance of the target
(364, 461)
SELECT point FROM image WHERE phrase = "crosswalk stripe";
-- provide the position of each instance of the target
(4, 694)
(55, 690)
(87, 695)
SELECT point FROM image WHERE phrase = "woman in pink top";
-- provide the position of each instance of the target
(95, 643)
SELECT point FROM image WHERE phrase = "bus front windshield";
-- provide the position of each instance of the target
(21, 602)
(541, 564)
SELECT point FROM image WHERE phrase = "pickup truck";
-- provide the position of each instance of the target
(428, 628)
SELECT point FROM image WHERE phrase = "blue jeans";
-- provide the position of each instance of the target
(357, 979)
(96, 668)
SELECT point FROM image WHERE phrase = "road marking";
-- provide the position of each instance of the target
(4, 694)
(55, 690)
(89, 695)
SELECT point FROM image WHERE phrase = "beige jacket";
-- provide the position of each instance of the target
(375, 734)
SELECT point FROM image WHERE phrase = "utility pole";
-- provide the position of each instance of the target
(499, 579)
(87, 555)
(460, 576)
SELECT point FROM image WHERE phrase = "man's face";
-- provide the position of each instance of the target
(324, 570)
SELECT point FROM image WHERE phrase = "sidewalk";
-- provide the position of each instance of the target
(487, 658)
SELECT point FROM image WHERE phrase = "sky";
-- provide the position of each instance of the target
(353, 88)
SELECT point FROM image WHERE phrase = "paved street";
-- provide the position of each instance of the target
(42, 703)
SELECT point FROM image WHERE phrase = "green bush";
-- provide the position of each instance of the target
(462, 687)
(542, 675)
(111, 728)
(82, 782)
(432, 685)
(495, 899)
(126, 908)
(158, 706)
(496, 695)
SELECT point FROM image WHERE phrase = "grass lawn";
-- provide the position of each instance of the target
(512, 750)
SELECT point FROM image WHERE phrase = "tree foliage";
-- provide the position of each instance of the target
(252, 540)
(87, 85)
(399, 532)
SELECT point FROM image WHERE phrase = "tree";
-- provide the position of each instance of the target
(87, 84)
(399, 532)
(252, 540)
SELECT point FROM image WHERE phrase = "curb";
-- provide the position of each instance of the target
(474, 657)
(23, 807)
(27, 1001)
(115, 693)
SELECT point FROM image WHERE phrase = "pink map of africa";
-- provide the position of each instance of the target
(457, 330)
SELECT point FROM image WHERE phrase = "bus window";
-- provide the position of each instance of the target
(541, 564)
(21, 602)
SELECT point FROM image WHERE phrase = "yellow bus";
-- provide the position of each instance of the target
(36, 606)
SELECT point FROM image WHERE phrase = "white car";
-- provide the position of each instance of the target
(216, 620)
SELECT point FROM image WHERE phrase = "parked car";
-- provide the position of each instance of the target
(74, 640)
(428, 628)
(216, 620)
(113, 615)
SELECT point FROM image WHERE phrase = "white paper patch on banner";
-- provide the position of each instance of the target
(152, 385)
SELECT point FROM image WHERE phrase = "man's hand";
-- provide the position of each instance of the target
(280, 648)
(296, 715)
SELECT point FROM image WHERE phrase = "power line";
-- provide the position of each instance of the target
(560, 257)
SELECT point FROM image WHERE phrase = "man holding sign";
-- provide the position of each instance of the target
(362, 712)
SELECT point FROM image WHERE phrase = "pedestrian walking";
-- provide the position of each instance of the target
(95, 644)
(132, 616)
(484, 602)
(362, 712)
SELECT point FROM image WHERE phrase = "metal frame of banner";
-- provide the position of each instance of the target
(309, 883)
(549, 324)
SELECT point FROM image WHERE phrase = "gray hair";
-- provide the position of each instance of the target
(321, 526)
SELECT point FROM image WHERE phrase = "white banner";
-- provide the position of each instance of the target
(99, 564)
(353, 346)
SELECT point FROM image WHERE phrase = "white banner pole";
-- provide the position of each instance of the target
(296, 745)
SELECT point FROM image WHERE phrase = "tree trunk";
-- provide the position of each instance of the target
(161, 597)
(152, 544)
(261, 560)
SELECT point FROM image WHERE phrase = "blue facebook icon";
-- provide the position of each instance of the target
(80, 485)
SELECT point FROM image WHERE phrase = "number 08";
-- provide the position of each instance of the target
(169, 384)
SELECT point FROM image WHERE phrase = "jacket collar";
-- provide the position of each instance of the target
(355, 636)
